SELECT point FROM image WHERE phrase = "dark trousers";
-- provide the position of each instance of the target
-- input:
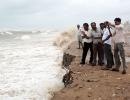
(108, 55)
(98, 49)
(86, 47)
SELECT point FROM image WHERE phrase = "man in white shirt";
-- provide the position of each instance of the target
(107, 46)
(97, 45)
(87, 40)
(102, 26)
(79, 36)
(119, 41)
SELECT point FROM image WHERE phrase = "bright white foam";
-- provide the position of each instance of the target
(30, 70)
(9, 33)
(25, 37)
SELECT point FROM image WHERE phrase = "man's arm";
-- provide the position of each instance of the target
(109, 31)
(84, 35)
(106, 38)
(111, 24)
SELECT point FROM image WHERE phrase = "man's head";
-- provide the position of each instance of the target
(78, 26)
(93, 25)
(86, 26)
(106, 23)
(117, 21)
(102, 26)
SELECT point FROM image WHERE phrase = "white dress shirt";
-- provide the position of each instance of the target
(89, 35)
(119, 34)
(105, 35)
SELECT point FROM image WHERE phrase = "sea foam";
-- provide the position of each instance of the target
(30, 70)
(65, 39)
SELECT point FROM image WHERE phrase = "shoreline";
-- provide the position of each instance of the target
(92, 83)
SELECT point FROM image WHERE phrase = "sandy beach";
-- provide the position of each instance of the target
(92, 83)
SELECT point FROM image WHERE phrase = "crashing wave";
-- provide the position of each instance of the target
(65, 39)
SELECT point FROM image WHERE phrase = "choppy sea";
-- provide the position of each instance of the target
(30, 66)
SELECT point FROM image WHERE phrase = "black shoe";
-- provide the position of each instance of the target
(93, 64)
(101, 64)
(90, 63)
(124, 72)
(115, 69)
(82, 63)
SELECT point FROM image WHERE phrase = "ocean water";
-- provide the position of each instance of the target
(30, 66)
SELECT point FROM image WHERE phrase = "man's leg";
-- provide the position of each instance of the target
(104, 60)
(94, 54)
(122, 54)
(100, 54)
(116, 56)
(78, 41)
(85, 50)
(91, 53)
(108, 55)
(111, 57)
(81, 44)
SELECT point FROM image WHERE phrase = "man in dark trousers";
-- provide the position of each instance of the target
(87, 39)
(107, 46)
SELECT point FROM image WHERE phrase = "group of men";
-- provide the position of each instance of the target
(99, 42)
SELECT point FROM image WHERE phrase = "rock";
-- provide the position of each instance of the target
(92, 80)
(118, 78)
(89, 88)
(67, 78)
(113, 94)
(89, 94)
(89, 81)
(80, 87)
(118, 88)
(67, 59)
(77, 98)
(75, 85)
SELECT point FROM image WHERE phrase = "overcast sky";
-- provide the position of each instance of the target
(60, 13)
